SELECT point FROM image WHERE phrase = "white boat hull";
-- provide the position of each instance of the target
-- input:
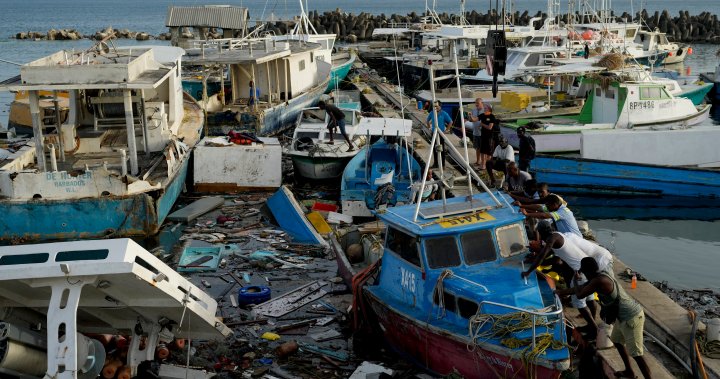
(318, 168)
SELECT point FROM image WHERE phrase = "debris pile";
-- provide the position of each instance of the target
(703, 301)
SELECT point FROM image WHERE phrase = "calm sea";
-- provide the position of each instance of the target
(683, 252)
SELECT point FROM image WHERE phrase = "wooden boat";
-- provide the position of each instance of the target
(450, 280)
(117, 164)
(380, 175)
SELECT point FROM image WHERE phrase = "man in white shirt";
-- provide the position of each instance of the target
(502, 156)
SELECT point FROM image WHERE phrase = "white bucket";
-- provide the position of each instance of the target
(713, 330)
(603, 336)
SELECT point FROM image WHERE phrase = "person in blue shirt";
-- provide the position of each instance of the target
(444, 126)
(554, 209)
(253, 93)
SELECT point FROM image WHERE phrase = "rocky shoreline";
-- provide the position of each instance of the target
(702, 28)
(705, 302)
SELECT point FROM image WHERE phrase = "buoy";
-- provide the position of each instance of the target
(689, 50)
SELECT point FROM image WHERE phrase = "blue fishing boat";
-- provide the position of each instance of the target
(612, 177)
(380, 175)
(449, 295)
(118, 162)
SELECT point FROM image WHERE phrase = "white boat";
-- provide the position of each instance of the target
(657, 40)
(118, 162)
(613, 105)
(312, 154)
(286, 73)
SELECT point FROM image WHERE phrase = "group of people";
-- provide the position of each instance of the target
(587, 268)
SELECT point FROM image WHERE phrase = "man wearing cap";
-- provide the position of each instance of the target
(502, 156)
(527, 149)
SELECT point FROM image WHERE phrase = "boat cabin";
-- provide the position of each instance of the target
(206, 22)
(280, 71)
(126, 112)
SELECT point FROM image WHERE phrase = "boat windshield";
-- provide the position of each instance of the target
(515, 58)
(478, 247)
(442, 252)
(403, 245)
(511, 239)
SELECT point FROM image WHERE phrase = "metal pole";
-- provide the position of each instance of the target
(37, 130)
(130, 124)
(58, 125)
(143, 121)
(432, 142)
(462, 124)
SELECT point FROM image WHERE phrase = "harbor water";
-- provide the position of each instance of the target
(681, 250)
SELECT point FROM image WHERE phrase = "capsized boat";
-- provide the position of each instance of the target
(450, 298)
(117, 164)
(312, 154)
(612, 104)
(380, 175)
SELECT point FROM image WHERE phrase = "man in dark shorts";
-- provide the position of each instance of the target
(487, 122)
(337, 118)
(473, 123)
(527, 149)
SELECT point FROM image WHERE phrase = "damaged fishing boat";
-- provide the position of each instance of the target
(117, 164)
(449, 295)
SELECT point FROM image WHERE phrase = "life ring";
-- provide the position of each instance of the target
(253, 295)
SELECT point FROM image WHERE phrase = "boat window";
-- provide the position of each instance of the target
(533, 60)
(312, 57)
(649, 93)
(478, 247)
(302, 65)
(511, 239)
(466, 308)
(403, 245)
(442, 252)
(598, 92)
(515, 58)
(448, 300)
(664, 94)
(609, 93)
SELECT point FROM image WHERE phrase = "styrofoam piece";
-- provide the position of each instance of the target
(337, 218)
(369, 370)
(196, 209)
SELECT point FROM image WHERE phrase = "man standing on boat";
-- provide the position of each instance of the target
(554, 209)
(444, 124)
(337, 118)
(473, 122)
(629, 318)
(527, 149)
(253, 94)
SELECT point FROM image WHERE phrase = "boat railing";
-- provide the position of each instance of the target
(535, 314)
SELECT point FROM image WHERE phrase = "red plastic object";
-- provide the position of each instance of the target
(324, 207)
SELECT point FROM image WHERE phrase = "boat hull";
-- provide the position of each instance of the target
(339, 72)
(318, 168)
(697, 95)
(282, 116)
(443, 353)
(545, 142)
(134, 215)
(571, 174)
(714, 94)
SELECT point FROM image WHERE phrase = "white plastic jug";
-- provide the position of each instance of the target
(713, 330)
(603, 336)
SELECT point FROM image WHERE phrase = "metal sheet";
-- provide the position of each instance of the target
(216, 16)
(292, 300)
(196, 209)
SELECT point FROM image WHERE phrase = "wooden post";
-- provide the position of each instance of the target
(267, 69)
(58, 125)
(143, 122)
(37, 130)
(130, 124)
